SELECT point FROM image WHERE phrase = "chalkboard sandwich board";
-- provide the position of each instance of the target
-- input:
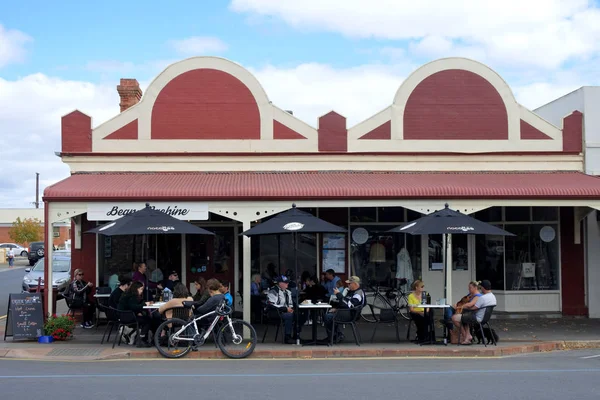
(25, 316)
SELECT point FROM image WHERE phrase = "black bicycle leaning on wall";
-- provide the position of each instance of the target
(386, 298)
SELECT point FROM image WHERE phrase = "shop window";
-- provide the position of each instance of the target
(517, 214)
(489, 256)
(363, 214)
(460, 252)
(412, 215)
(273, 255)
(491, 214)
(390, 214)
(436, 252)
(532, 257)
(379, 256)
(545, 213)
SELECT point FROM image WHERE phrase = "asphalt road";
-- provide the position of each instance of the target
(10, 282)
(550, 376)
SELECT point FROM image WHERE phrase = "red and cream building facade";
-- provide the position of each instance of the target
(205, 138)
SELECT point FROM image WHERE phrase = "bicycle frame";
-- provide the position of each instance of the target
(197, 332)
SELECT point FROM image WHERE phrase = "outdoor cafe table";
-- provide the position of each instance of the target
(431, 307)
(154, 306)
(313, 309)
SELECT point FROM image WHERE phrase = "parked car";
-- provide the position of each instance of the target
(18, 250)
(36, 251)
(61, 274)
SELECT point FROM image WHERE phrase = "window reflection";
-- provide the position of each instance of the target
(386, 256)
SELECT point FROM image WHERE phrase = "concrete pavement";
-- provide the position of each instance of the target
(516, 338)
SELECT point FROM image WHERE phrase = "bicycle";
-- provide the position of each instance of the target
(390, 299)
(180, 337)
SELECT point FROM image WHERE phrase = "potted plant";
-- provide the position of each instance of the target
(59, 327)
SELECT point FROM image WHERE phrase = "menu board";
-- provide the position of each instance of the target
(25, 316)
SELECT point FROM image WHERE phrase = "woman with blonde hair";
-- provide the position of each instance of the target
(77, 297)
(415, 298)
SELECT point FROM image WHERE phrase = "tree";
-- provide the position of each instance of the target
(27, 230)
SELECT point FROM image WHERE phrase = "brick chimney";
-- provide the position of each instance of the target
(130, 93)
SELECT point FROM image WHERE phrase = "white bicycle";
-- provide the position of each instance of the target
(176, 337)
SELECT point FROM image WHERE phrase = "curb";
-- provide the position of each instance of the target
(451, 351)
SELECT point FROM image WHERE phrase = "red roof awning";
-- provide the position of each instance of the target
(322, 185)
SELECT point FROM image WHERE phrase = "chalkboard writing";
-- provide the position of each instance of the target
(25, 316)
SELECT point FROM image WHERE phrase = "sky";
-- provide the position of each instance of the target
(311, 56)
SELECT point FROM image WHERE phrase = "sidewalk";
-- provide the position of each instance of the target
(516, 337)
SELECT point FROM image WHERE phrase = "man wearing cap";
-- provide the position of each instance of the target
(172, 280)
(280, 298)
(355, 297)
(474, 313)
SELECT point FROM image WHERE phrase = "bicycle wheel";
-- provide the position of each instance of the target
(232, 342)
(171, 347)
(402, 306)
(374, 303)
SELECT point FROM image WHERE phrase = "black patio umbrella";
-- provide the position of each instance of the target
(449, 222)
(148, 221)
(294, 221)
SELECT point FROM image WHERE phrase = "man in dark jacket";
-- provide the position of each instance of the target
(354, 299)
(115, 296)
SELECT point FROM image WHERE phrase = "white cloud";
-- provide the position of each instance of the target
(539, 33)
(12, 46)
(198, 45)
(30, 115)
(311, 90)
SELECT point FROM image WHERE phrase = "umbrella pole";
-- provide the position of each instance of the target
(445, 248)
(295, 236)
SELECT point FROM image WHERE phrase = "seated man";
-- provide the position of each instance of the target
(472, 313)
(280, 298)
(355, 297)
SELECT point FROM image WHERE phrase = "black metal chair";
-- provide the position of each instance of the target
(485, 321)
(347, 316)
(101, 304)
(112, 320)
(386, 315)
(126, 319)
(272, 316)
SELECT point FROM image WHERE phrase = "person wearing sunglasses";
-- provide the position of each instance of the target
(417, 313)
(77, 293)
(172, 280)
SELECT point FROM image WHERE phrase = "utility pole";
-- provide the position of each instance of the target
(37, 190)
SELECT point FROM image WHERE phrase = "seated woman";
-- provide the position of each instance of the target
(180, 294)
(201, 292)
(216, 297)
(78, 293)
(467, 303)
(132, 300)
(418, 313)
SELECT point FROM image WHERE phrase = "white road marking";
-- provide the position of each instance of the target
(596, 356)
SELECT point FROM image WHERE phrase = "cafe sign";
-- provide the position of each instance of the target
(109, 211)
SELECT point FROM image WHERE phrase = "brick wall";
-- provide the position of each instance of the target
(455, 105)
(205, 104)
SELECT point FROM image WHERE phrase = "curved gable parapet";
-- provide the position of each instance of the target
(250, 99)
(205, 104)
(448, 87)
